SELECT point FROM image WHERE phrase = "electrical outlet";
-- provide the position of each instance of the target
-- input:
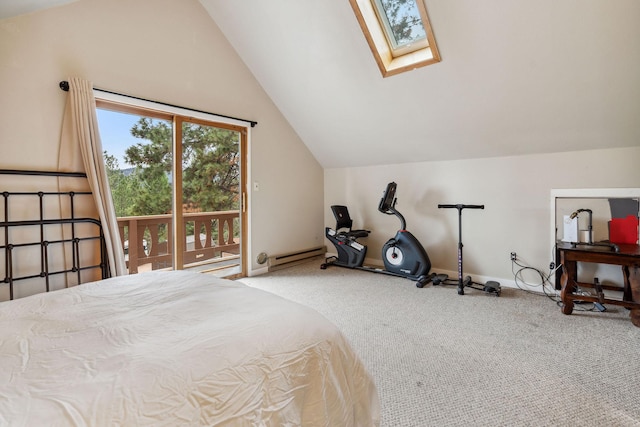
(513, 256)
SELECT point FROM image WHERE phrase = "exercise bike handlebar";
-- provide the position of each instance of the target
(392, 211)
(460, 206)
(388, 204)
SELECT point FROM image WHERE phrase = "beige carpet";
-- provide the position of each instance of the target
(441, 359)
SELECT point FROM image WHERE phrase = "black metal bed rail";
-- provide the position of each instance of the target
(65, 226)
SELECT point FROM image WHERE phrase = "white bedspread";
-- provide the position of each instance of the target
(176, 349)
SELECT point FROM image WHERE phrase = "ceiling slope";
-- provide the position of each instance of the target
(516, 78)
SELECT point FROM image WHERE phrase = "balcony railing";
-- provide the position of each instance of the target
(147, 239)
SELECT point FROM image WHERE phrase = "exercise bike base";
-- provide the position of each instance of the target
(420, 280)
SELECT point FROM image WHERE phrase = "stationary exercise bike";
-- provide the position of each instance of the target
(491, 286)
(403, 255)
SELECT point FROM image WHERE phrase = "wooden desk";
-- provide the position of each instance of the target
(628, 257)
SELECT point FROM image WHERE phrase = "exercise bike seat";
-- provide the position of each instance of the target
(344, 221)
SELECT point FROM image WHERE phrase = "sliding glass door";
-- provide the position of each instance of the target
(210, 184)
(178, 186)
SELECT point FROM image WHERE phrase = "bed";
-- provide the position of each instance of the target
(49, 235)
(174, 348)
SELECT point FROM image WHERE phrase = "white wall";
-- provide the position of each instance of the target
(516, 193)
(169, 51)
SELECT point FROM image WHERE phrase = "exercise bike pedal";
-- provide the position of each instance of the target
(423, 280)
(327, 262)
(439, 278)
(492, 287)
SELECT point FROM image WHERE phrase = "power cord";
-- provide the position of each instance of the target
(520, 281)
(548, 289)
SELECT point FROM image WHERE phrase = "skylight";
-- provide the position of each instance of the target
(402, 25)
(398, 33)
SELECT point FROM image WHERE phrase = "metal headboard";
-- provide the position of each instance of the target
(65, 234)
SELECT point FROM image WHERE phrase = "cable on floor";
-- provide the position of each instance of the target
(545, 283)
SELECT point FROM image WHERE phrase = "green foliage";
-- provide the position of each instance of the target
(152, 161)
(404, 19)
(211, 170)
(125, 188)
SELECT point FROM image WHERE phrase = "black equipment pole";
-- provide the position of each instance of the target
(460, 207)
(42, 173)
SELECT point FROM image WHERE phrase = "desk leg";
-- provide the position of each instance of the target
(626, 293)
(634, 282)
(569, 275)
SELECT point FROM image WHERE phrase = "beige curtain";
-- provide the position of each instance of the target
(81, 149)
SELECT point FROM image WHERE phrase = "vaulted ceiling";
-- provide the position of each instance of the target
(516, 77)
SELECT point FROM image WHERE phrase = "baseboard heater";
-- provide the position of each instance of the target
(277, 262)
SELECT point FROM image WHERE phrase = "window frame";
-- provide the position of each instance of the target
(374, 33)
(177, 115)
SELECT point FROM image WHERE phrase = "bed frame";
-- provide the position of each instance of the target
(19, 244)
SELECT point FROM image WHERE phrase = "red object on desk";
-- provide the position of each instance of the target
(624, 230)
